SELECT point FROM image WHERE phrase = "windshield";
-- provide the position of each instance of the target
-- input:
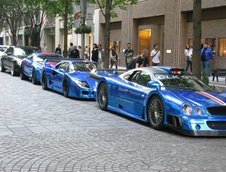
(25, 51)
(185, 82)
(85, 66)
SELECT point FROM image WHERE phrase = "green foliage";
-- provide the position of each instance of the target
(83, 29)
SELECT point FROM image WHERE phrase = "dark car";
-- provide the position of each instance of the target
(12, 58)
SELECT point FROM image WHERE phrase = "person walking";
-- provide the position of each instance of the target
(58, 49)
(155, 55)
(188, 51)
(75, 53)
(128, 53)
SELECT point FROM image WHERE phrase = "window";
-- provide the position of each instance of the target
(141, 78)
(222, 47)
(64, 66)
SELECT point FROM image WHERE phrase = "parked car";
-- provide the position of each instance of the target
(71, 77)
(12, 58)
(164, 97)
(31, 66)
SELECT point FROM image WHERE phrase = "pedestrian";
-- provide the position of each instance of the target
(155, 55)
(70, 49)
(44, 48)
(100, 54)
(128, 53)
(114, 57)
(206, 59)
(188, 51)
(58, 49)
(80, 51)
(141, 60)
(75, 53)
(95, 53)
(86, 53)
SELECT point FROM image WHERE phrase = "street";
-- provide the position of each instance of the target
(44, 131)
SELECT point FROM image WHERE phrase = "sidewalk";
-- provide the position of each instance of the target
(221, 82)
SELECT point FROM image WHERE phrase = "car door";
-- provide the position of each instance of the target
(27, 65)
(135, 92)
(7, 59)
(58, 76)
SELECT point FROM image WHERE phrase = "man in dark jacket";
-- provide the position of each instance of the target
(95, 53)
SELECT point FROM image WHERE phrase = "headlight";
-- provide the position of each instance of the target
(19, 62)
(187, 109)
(199, 111)
(82, 83)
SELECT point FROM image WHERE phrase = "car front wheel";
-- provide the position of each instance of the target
(102, 96)
(66, 88)
(34, 78)
(12, 71)
(44, 82)
(155, 112)
(2, 69)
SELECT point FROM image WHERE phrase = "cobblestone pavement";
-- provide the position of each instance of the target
(43, 131)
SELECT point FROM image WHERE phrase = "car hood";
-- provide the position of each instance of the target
(201, 98)
(83, 76)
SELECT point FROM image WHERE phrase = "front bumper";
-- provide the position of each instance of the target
(207, 126)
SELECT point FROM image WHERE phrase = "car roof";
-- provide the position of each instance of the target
(155, 69)
(76, 60)
(47, 54)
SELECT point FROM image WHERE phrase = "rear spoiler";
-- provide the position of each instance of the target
(94, 73)
(52, 61)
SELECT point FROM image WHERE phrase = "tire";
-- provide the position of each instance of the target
(2, 69)
(66, 88)
(156, 113)
(102, 96)
(44, 82)
(12, 71)
(33, 77)
(22, 76)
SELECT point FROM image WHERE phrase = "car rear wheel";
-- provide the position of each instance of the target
(155, 112)
(22, 76)
(102, 96)
(2, 69)
(66, 88)
(34, 78)
(12, 71)
(44, 82)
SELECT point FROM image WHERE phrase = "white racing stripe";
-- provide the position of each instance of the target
(212, 97)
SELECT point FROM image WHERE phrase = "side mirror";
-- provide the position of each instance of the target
(62, 70)
(154, 84)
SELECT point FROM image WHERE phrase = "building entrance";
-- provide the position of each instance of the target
(144, 39)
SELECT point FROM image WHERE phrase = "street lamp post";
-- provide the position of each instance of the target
(83, 7)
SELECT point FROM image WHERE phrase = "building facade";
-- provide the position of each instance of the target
(169, 24)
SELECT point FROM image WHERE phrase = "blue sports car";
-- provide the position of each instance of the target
(31, 66)
(164, 97)
(71, 77)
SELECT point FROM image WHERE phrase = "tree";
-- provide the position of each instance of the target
(197, 15)
(107, 8)
(33, 17)
(10, 14)
(60, 8)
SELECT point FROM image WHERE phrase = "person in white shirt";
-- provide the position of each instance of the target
(188, 51)
(155, 55)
